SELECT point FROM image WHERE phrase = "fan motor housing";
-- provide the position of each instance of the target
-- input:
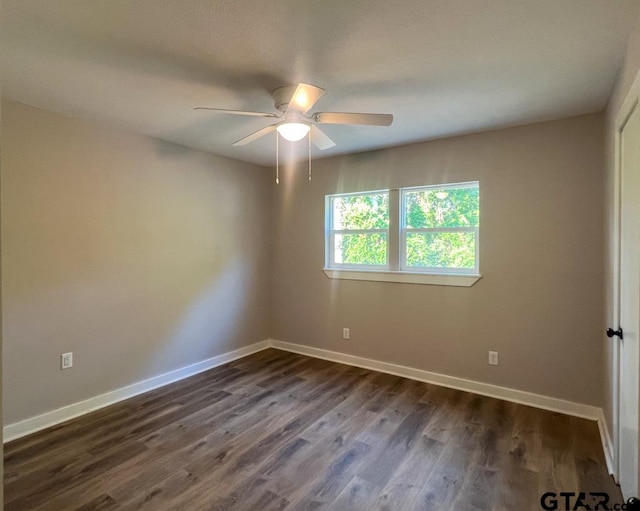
(282, 96)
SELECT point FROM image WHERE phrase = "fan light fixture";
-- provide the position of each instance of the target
(294, 122)
(293, 131)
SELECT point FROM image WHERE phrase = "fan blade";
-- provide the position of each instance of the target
(320, 139)
(349, 118)
(237, 112)
(304, 97)
(255, 136)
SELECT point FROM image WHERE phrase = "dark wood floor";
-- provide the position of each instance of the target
(281, 431)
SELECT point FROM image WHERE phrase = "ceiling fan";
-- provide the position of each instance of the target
(294, 122)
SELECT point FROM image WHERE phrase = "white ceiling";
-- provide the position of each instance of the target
(442, 67)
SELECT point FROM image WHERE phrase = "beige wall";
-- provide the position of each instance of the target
(137, 255)
(539, 303)
(627, 74)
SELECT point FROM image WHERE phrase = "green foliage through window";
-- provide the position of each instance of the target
(361, 249)
(361, 212)
(439, 228)
(441, 249)
(442, 207)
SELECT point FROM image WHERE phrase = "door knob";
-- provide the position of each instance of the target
(633, 504)
(611, 332)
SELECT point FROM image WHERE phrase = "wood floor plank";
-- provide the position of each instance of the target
(233, 458)
(397, 448)
(159, 495)
(518, 488)
(526, 439)
(31, 492)
(280, 431)
(478, 490)
(334, 478)
(418, 465)
(300, 477)
(450, 405)
(100, 503)
(443, 485)
(358, 494)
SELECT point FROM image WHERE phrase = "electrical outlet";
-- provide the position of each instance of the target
(66, 360)
(345, 333)
(493, 358)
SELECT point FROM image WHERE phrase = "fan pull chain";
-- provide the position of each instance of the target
(277, 158)
(309, 155)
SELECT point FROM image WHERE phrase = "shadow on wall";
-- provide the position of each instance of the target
(127, 324)
(214, 318)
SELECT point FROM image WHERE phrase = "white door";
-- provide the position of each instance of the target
(629, 303)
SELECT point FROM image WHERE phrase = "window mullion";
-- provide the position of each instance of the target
(393, 243)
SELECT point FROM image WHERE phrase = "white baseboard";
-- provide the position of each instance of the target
(34, 424)
(46, 420)
(607, 444)
(485, 389)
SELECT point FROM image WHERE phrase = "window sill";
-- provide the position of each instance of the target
(404, 277)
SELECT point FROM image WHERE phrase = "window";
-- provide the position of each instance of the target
(424, 231)
(359, 230)
(440, 228)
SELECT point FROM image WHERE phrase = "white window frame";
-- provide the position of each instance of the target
(330, 234)
(396, 269)
(404, 230)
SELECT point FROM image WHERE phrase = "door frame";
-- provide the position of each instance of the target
(625, 110)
